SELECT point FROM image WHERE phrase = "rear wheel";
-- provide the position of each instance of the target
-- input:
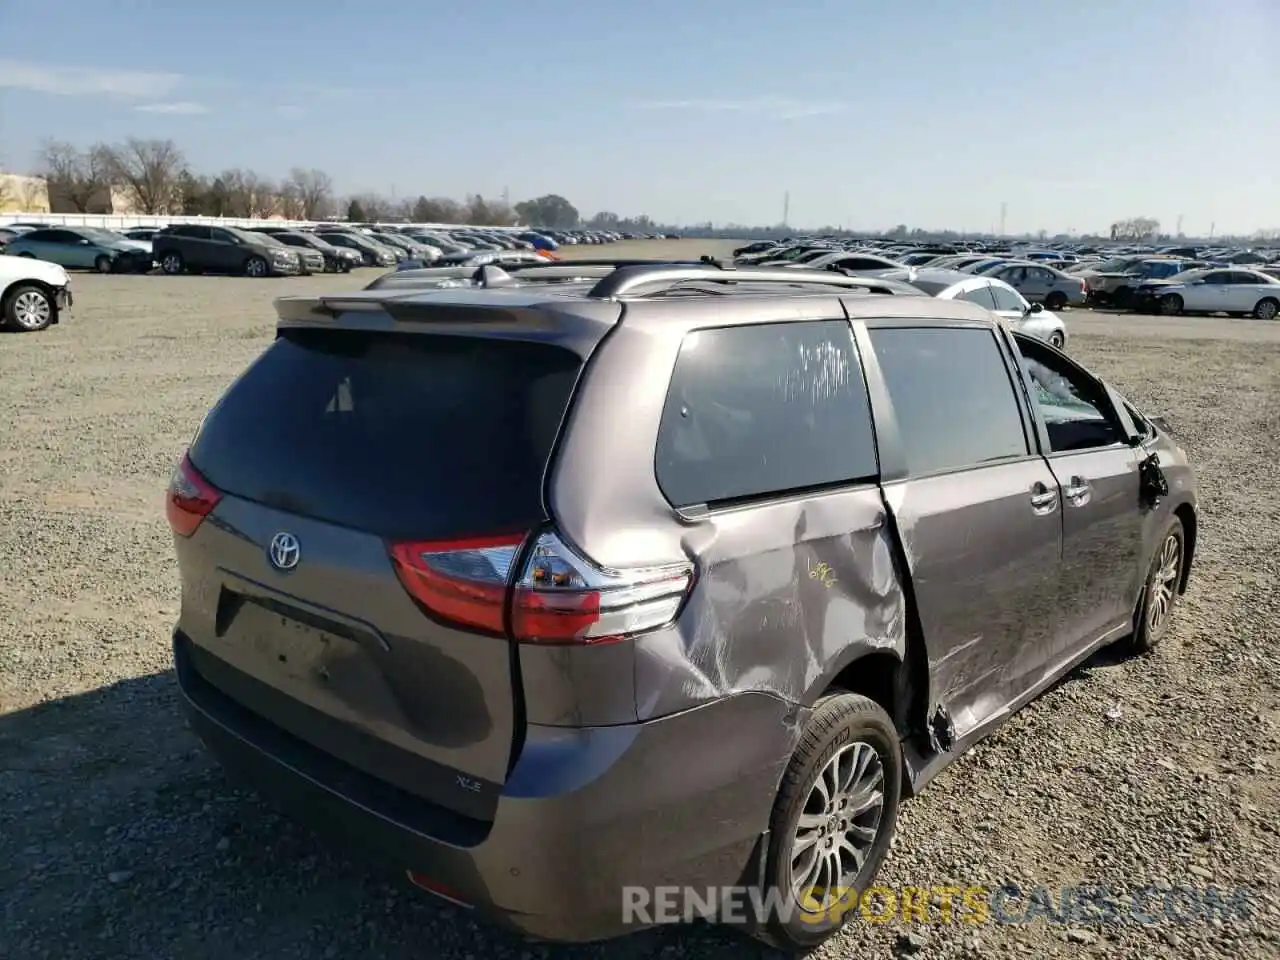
(1056, 300)
(833, 820)
(255, 267)
(28, 308)
(103, 264)
(1057, 339)
(1170, 305)
(1267, 309)
(171, 263)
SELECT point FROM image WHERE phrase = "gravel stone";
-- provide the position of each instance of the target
(97, 766)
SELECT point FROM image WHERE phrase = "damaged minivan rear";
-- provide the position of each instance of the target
(560, 597)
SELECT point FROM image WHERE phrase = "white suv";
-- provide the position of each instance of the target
(32, 293)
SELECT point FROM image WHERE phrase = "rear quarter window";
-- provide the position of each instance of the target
(759, 411)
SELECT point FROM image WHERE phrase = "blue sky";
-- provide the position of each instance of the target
(870, 113)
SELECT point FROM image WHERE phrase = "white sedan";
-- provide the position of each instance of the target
(1236, 290)
(998, 297)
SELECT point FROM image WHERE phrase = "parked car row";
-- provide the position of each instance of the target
(1168, 281)
(277, 250)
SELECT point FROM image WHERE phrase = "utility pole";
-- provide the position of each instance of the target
(1004, 213)
(1178, 231)
(506, 196)
(786, 207)
(1212, 227)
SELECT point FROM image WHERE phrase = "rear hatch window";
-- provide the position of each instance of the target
(399, 435)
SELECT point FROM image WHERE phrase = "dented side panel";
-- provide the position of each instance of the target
(984, 567)
(787, 593)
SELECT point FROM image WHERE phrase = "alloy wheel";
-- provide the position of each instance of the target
(838, 825)
(1165, 585)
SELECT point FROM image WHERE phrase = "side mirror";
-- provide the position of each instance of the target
(1036, 308)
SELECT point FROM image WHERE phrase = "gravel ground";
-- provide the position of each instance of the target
(119, 838)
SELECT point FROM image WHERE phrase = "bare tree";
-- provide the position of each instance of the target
(374, 206)
(1135, 228)
(243, 193)
(6, 191)
(291, 205)
(77, 178)
(437, 210)
(263, 195)
(313, 190)
(149, 170)
(29, 195)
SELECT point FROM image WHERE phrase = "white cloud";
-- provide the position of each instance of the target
(85, 81)
(778, 108)
(180, 106)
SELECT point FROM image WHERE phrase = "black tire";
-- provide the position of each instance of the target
(1267, 309)
(1170, 305)
(103, 264)
(1055, 301)
(171, 262)
(28, 308)
(1163, 580)
(256, 267)
(1057, 339)
(844, 724)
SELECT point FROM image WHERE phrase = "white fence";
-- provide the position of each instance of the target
(128, 221)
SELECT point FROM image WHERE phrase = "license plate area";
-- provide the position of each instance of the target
(334, 673)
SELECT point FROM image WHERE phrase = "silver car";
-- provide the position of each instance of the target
(998, 297)
(1042, 284)
(1234, 291)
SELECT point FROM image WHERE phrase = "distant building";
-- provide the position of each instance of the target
(22, 194)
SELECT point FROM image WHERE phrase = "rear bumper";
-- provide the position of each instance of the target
(584, 813)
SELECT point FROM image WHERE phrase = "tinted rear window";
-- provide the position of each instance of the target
(756, 411)
(402, 435)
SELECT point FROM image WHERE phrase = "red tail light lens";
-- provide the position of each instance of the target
(189, 499)
(464, 581)
(562, 597)
(559, 597)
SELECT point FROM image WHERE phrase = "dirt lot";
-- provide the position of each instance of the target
(119, 838)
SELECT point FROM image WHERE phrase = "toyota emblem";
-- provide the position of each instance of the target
(284, 551)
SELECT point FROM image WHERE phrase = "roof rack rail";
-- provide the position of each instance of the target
(589, 268)
(627, 279)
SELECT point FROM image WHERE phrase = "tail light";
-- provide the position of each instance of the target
(189, 499)
(462, 581)
(558, 597)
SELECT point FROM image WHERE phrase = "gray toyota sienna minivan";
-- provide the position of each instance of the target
(545, 588)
